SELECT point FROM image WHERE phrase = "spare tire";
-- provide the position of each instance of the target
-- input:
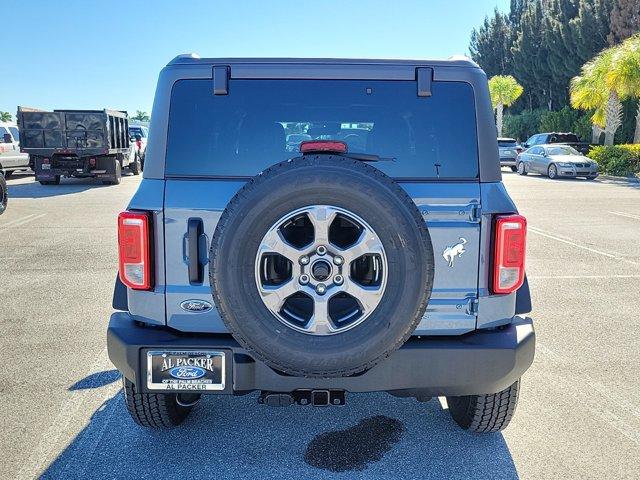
(321, 266)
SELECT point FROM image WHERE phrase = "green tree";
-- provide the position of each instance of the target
(490, 45)
(624, 20)
(623, 76)
(559, 41)
(591, 27)
(141, 116)
(530, 65)
(591, 90)
(504, 90)
(5, 117)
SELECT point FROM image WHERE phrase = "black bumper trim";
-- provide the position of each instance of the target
(485, 361)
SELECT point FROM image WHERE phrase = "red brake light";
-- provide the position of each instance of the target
(139, 144)
(312, 146)
(510, 233)
(134, 249)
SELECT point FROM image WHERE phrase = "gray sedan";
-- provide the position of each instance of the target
(556, 161)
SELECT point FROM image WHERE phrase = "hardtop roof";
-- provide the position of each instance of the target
(194, 59)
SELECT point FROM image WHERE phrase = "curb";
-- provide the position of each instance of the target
(620, 179)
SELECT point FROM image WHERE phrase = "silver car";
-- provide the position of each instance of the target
(556, 161)
(509, 150)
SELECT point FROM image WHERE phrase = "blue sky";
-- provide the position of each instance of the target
(107, 54)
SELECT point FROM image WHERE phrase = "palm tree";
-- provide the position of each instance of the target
(5, 117)
(597, 89)
(504, 90)
(141, 116)
(624, 75)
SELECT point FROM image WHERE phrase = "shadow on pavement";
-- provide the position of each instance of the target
(96, 380)
(234, 437)
(67, 186)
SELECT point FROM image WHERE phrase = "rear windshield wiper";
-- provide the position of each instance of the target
(368, 157)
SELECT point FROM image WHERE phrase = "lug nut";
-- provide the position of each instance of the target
(321, 289)
(304, 279)
(321, 250)
(304, 260)
(338, 279)
(338, 260)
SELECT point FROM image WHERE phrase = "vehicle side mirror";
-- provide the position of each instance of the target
(6, 138)
(525, 145)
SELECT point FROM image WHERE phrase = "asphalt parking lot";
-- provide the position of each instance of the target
(63, 416)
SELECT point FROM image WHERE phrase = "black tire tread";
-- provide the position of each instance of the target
(486, 413)
(230, 211)
(155, 410)
(4, 196)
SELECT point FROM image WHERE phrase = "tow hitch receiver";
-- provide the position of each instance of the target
(317, 398)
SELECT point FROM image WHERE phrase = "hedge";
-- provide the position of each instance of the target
(621, 160)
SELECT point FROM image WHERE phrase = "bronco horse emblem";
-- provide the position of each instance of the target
(455, 250)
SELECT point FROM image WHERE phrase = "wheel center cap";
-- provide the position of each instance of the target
(321, 270)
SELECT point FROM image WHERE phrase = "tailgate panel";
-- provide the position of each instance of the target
(450, 209)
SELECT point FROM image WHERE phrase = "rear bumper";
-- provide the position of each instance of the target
(480, 362)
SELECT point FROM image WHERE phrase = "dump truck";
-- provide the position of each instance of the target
(77, 143)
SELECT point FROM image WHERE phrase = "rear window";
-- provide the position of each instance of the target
(262, 122)
(507, 143)
(564, 137)
(133, 131)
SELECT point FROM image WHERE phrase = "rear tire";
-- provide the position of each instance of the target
(154, 410)
(117, 174)
(521, 169)
(485, 413)
(4, 198)
(135, 166)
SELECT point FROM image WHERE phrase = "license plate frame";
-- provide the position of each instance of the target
(177, 370)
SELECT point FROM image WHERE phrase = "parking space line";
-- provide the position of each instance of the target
(621, 414)
(21, 221)
(627, 215)
(573, 243)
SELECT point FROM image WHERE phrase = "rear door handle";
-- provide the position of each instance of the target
(194, 232)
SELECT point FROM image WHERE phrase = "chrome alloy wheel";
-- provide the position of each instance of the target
(321, 270)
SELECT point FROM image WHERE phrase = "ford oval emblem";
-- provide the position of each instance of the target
(196, 306)
(187, 373)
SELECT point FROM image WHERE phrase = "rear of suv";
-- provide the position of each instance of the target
(381, 254)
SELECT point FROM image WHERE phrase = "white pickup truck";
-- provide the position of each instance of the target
(11, 160)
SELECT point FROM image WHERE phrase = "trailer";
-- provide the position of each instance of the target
(77, 143)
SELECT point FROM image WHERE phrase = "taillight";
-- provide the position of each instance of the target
(134, 249)
(139, 144)
(510, 234)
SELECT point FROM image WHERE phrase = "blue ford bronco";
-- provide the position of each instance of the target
(308, 228)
